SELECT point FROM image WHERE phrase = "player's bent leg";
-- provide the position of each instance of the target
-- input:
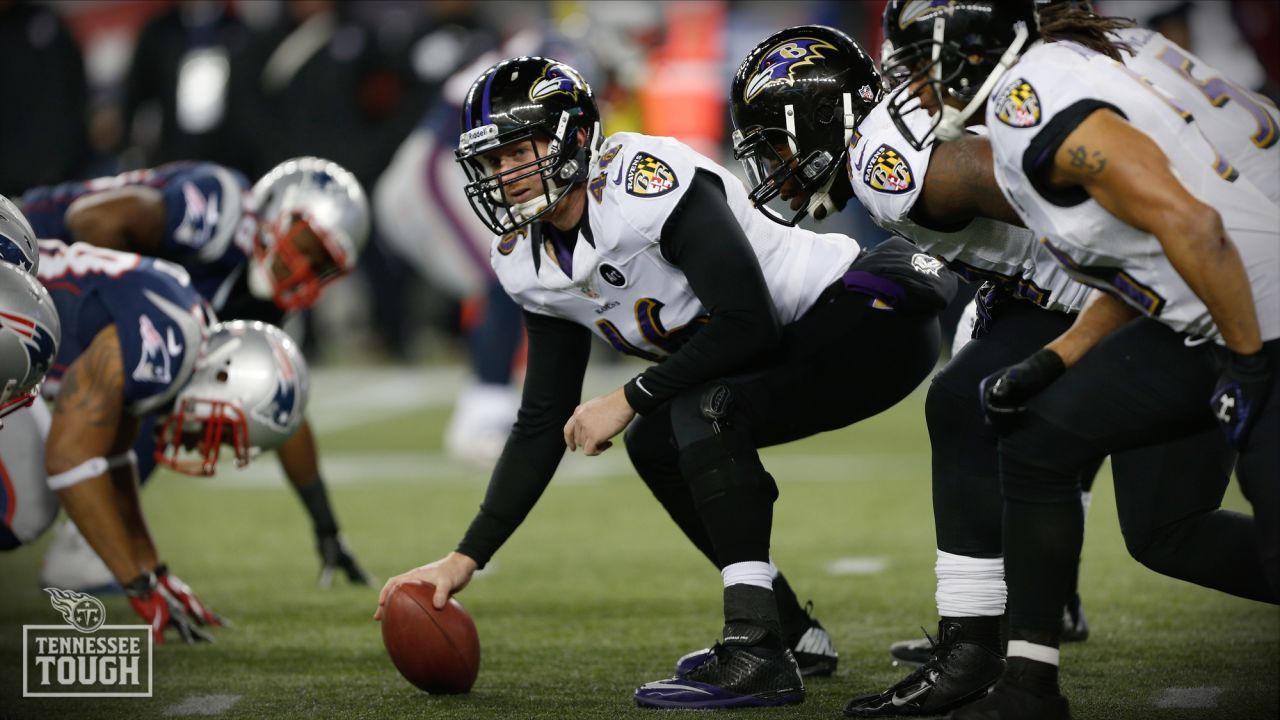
(1169, 500)
(27, 505)
(1258, 468)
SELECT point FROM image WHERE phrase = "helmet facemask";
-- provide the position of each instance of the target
(951, 73)
(296, 260)
(564, 164)
(190, 439)
(778, 164)
(12, 403)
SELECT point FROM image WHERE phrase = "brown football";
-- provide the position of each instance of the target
(436, 650)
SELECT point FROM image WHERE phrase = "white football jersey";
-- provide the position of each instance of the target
(887, 173)
(1243, 126)
(622, 288)
(1039, 101)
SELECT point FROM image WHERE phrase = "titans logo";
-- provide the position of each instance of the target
(555, 79)
(779, 63)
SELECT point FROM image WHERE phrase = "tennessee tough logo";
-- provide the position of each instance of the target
(778, 65)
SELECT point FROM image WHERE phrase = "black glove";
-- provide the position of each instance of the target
(160, 610)
(1005, 393)
(991, 296)
(1241, 394)
(335, 555)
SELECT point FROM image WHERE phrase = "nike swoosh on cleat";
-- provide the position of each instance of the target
(661, 685)
(899, 700)
(1194, 341)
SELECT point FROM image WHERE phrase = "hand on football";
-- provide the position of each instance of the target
(1005, 393)
(335, 556)
(596, 421)
(1241, 394)
(449, 574)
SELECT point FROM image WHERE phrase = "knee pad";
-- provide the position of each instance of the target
(717, 455)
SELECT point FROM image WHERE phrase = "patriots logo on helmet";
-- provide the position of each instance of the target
(153, 366)
(278, 410)
(35, 338)
(917, 10)
(11, 253)
(555, 79)
(779, 63)
(1019, 106)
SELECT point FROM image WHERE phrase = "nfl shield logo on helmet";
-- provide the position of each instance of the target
(1019, 106)
(647, 176)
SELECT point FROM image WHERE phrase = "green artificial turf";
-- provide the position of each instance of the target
(598, 592)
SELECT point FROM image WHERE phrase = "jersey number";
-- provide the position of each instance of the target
(649, 322)
(1219, 92)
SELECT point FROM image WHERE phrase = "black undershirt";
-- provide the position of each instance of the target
(701, 237)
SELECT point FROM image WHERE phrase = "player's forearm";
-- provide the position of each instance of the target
(1198, 248)
(1101, 316)
(124, 481)
(92, 506)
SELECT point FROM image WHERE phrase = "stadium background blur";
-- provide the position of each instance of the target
(105, 86)
(597, 591)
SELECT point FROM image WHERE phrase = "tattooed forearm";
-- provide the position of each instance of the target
(93, 387)
(1090, 162)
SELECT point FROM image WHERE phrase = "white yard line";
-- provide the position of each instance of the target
(203, 705)
(858, 566)
(1196, 697)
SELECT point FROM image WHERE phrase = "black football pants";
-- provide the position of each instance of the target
(1140, 387)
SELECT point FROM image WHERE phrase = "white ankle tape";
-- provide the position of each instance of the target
(748, 573)
(90, 468)
(969, 586)
(1031, 651)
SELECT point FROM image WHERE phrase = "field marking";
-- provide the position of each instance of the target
(1196, 697)
(203, 705)
(858, 566)
(433, 466)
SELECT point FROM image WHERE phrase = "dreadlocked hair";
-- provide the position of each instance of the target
(1070, 21)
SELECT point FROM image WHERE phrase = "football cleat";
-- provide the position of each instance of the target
(911, 652)
(1075, 626)
(1015, 700)
(730, 676)
(814, 652)
(956, 673)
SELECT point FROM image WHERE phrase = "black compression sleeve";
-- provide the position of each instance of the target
(558, 353)
(703, 238)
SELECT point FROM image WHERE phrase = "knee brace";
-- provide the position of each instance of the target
(717, 455)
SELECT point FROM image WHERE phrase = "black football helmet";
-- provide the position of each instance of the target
(803, 90)
(516, 101)
(959, 48)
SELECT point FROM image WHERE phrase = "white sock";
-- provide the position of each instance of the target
(1085, 498)
(748, 573)
(1031, 651)
(773, 571)
(969, 586)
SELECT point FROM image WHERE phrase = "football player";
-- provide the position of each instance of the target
(787, 102)
(133, 344)
(656, 249)
(253, 253)
(1120, 214)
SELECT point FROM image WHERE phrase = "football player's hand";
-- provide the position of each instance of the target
(991, 296)
(1241, 394)
(335, 556)
(1005, 393)
(449, 574)
(186, 597)
(596, 421)
(161, 610)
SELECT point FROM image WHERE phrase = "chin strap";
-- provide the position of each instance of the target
(951, 125)
(821, 204)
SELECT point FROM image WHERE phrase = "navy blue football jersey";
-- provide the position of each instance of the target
(210, 222)
(160, 319)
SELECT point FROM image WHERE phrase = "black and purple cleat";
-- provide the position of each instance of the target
(730, 676)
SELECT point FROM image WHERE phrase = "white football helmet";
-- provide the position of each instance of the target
(248, 390)
(17, 239)
(29, 336)
(289, 266)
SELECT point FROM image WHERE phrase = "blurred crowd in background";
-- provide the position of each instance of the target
(98, 87)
